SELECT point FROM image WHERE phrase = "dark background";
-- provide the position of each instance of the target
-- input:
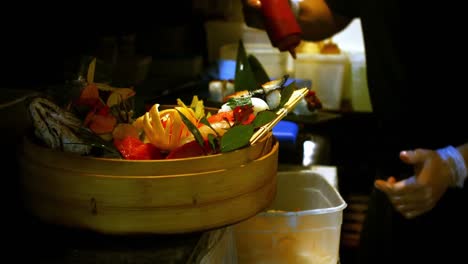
(40, 43)
(41, 46)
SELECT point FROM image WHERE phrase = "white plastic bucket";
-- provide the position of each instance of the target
(327, 73)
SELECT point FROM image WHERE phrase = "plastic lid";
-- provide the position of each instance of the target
(286, 131)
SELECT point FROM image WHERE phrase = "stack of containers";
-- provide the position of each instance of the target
(274, 62)
(224, 52)
(257, 43)
(327, 73)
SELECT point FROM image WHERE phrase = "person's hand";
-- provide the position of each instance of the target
(408, 197)
(418, 194)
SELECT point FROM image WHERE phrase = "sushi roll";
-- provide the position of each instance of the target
(257, 103)
(270, 92)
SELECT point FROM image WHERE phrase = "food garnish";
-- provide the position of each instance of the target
(100, 120)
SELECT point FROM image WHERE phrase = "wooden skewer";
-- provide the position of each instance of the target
(281, 113)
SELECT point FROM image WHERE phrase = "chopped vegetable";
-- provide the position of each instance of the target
(132, 148)
(191, 149)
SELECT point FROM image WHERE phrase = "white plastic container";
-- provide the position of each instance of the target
(219, 89)
(359, 90)
(303, 224)
(273, 61)
(254, 35)
(327, 73)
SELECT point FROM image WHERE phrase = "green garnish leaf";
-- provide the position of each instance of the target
(286, 93)
(204, 121)
(239, 101)
(261, 76)
(264, 117)
(244, 76)
(212, 140)
(236, 137)
(192, 128)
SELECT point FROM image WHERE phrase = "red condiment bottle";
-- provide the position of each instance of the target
(281, 25)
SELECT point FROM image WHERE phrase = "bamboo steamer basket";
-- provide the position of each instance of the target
(148, 197)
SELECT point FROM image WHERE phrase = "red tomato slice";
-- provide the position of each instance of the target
(132, 148)
(190, 149)
(146, 152)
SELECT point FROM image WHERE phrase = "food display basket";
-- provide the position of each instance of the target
(117, 196)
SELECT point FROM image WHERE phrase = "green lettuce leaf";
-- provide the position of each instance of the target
(263, 118)
(236, 137)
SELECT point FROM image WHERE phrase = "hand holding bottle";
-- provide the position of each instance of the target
(279, 22)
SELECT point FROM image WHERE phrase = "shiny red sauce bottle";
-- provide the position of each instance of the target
(281, 25)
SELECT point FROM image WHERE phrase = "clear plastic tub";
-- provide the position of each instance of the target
(303, 224)
(327, 73)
